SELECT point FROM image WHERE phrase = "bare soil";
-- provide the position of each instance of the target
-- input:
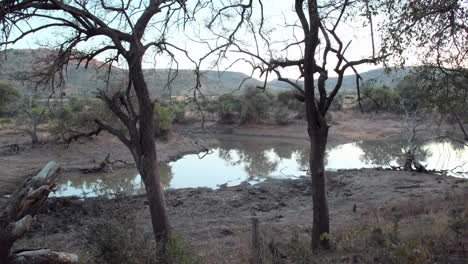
(217, 223)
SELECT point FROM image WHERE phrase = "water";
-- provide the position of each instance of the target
(233, 160)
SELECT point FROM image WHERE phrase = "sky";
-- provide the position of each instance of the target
(277, 13)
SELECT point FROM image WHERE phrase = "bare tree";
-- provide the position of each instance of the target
(319, 41)
(114, 30)
(31, 116)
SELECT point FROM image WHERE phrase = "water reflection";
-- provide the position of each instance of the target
(236, 159)
(388, 152)
(126, 181)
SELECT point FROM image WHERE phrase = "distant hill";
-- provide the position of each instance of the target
(349, 81)
(85, 82)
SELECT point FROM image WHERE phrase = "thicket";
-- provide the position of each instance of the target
(382, 98)
(162, 121)
(77, 115)
(8, 96)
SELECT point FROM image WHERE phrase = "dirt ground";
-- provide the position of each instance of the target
(217, 223)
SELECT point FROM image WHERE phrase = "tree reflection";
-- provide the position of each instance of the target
(166, 174)
(260, 157)
(386, 152)
(105, 184)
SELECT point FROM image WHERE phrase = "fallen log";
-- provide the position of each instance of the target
(43, 256)
(16, 218)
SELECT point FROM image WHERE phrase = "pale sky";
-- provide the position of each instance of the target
(276, 12)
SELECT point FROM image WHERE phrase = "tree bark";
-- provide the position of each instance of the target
(147, 159)
(321, 224)
(317, 126)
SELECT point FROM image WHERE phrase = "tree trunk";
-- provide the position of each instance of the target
(34, 137)
(147, 160)
(317, 129)
(157, 205)
(320, 225)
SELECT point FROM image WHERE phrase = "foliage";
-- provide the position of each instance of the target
(76, 115)
(285, 96)
(301, 253)
(256, 105)
(229, 107)
(162, 121)
(178, 113)
(281, 116)
(413, 95)
(434, 31)
(8, 95)
(377, 99)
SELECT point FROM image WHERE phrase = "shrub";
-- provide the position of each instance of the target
(381, 98)
(229, 107)
(255, 105)
(178, 113)
(337, 103)
(78, 116)
(281, 117)
(285, 97)
(8, 95)
(118, 240)
(162, 121)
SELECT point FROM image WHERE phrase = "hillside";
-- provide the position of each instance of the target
(349, 81)
(84, 82)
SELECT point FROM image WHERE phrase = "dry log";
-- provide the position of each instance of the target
(43, 256)
(16, 218)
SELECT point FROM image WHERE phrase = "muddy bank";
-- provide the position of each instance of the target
(217, 222)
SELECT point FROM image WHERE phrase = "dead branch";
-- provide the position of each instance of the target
(104, 166)
(17, 216)
(80, 135)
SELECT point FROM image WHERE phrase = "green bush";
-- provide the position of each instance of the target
(256, 105)
(285, 97)
(229, 107)
(8, 95)
(377, 99)
(281, 117)
(78, 116)
(178, 113)
(162, 121)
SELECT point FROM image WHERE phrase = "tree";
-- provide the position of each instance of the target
(436, 32)
(8, 95)
(30, 114)
(117, 31)
(317, 38)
